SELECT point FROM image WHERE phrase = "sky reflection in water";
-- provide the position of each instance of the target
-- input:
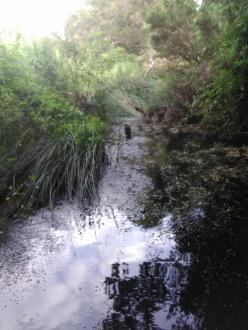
(73, 293)
(57, 269)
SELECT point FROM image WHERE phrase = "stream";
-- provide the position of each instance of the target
(112, 265)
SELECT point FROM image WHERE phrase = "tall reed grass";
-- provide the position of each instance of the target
(51, 168)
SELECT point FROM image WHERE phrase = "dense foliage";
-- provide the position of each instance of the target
(225, 100)
(49, 145)
(207, 47)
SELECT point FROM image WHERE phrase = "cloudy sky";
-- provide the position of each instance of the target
(36, 18)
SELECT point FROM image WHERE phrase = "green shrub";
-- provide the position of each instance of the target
(224, 103)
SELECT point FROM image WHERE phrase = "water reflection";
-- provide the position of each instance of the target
(217, 288)
(207, 193)
(59, 281)
(136, 298)
(149, 299)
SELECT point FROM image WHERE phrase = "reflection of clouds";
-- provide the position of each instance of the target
(57, 307)
(135, 252)
(74, 284)
(64, 301)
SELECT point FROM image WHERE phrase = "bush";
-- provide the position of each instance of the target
(224, 103)
(48, 146)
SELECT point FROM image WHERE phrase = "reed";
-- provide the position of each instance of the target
(51, 168)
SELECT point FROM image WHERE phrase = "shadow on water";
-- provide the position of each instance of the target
(217, 286)
(206, 191)
(135, 298)
(148, 300)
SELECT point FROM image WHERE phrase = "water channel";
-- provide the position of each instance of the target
(111, 265)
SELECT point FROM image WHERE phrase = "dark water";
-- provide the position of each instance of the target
(205, 188)
(164, 247)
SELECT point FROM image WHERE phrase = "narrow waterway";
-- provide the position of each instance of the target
(163, 246)
(104, 267)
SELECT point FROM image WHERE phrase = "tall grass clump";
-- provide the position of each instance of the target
(66, 163)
